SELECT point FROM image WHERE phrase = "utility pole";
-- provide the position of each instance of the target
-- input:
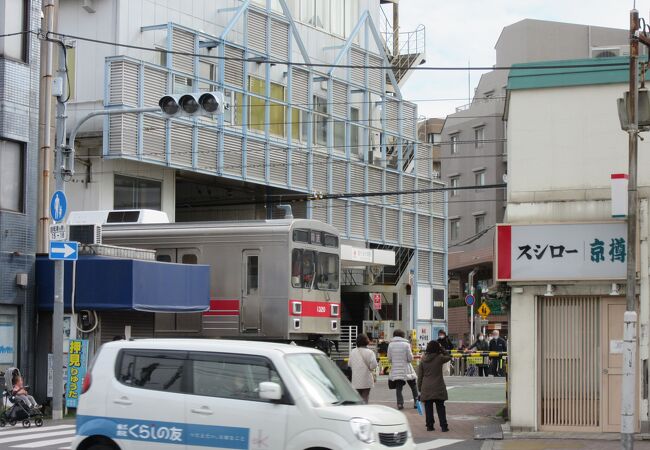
(628, 382)
(45, 124)
(60, 172)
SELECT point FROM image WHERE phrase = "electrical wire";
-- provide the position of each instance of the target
(48, 35)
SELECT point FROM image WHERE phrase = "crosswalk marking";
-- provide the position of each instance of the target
(33, 429)
(38, 444)
(438, 443)
(36, 436)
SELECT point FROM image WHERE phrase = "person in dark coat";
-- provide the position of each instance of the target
(497, 344)
(431, 384)
(481, 345)
(444, 341)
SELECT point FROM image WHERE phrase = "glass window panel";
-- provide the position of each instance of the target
(339, 136)
(479, 223)
(454, 228)
(135, 193)
(14, 21)
(322, 14)
(8, 338)
(479, 136)
(12, 176)
(308, 269)
(189, 258)
(163, 258)
(252, 275)
(296, 126)
(229, 103)
(454, 143)
(328, 272)
(320, 121)
(296, 267)
(453, 183)
(238, 108)
(160, 372)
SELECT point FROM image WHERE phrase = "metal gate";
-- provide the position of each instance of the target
(569, 340)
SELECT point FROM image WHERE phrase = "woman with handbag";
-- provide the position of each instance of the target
(401, 371)
(432, 384)
(363, 363)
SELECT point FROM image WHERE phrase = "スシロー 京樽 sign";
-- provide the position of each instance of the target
(577, 251)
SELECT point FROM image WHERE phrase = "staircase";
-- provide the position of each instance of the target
(390, 275)
(404, 49)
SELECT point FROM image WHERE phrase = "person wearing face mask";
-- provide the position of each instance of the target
(447, 346)
(497, 344)
(481, 345)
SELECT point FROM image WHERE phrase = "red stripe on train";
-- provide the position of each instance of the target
(314, 309)
(220, 307)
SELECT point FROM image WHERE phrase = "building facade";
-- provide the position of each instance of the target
(563, 253)
(312, 108)
(474, 144)
(19, 98)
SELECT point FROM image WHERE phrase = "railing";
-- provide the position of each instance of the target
(347, 342)
(468, 363)
(392, 274)
(403, 48)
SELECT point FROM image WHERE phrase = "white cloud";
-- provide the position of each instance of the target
(466, 30)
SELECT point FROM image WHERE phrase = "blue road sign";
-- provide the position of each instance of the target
(58, 206)
(64, 250)
(470, 300)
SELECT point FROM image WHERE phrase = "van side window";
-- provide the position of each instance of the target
(230, 376)
(160, 371)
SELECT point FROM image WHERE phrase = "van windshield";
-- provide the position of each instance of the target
(323, 382)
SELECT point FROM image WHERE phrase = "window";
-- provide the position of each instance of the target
(13, 20)
(252, 275)
(162, 56)
(320, 121)
(453, 183)
(189, 258)
(12, 176)
(9, 341)
(256, 107)
(433, 138)
(159, 371)
(298, 124)
(339, 136)
(479, 137)
(355, 133)
(479, 223)
(314, 270)
(337, 17)
(479, 178)
(136, 193)
(454, 229)
(231, 376)
(207, 71)
(182, 85)
(327, 272)
(454, 143)
(164, 258)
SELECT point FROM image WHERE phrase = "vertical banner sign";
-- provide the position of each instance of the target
(376, 301)
(77, 364)
(7, 342)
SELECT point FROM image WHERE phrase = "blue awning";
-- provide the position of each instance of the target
(110, 284)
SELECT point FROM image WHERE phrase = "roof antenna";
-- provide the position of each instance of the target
(287, 211)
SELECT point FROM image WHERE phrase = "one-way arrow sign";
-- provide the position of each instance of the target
(64, 250)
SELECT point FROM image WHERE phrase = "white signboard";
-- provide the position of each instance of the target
(424, 302)
(547, 252)
(57, 232)
(7, 340)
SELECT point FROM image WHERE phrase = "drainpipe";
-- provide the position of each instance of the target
(395, 30)
(471, 291)
(644, 303)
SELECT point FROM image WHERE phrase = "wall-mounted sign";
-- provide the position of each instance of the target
(376, 301)
(547, 252)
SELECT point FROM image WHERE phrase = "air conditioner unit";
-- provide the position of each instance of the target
(611, 51)
(85, 234)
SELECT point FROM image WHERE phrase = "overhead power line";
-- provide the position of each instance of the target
(48, 36)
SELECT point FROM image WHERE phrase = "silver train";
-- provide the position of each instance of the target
(273, 279)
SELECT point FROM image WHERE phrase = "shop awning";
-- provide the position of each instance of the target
(110, 284)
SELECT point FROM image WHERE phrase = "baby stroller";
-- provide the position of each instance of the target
(15, 409)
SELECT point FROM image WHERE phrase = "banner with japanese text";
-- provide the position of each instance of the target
(548, 252)
(77, 365)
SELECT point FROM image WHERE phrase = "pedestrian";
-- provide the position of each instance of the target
(401, 371)
(432, 386)
(447, 346)
(363, 363)
(497, 344)
(481, 345)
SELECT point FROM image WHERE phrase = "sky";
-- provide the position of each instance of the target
(462, 31)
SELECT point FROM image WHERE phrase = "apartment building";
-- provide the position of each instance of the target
(19, 88)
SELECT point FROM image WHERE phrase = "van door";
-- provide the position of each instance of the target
(224, 409)
(251, 291)
(144, 381)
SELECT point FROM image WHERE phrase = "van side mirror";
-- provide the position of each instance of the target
(269, 390)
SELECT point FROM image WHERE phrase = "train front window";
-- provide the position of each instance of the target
(327, 274)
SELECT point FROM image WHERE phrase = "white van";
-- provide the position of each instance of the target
(198, 393)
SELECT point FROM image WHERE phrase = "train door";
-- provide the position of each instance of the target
(251, 292)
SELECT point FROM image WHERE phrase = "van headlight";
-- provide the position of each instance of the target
(362, 429)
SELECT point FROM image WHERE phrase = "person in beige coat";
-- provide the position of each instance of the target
(363, 363)
(432, 386)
